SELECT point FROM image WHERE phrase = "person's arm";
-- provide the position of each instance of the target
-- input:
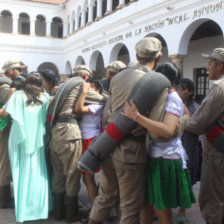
(164, 129)
(11, 91)
(3, 113)
(79, 106)
(209, 111)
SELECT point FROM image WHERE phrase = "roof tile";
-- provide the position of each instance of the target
(54, 2)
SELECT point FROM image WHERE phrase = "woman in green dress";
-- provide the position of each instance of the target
(28, 109)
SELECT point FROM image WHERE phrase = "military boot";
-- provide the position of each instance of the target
(94, 222)
(59, 207)
(5, 197)
(71, 209)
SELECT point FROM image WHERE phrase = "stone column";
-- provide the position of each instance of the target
(109, 7)
(178, 60)
(83, 18)
(90, 12)
(65, 29)
(77, 21)
(99, 9)
(48, 28)
(0, 23)
(15, 25)
(71, 26)
(32, 27)
(121, 4)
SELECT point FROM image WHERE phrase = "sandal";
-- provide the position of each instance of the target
(181, 220)
(84, 220)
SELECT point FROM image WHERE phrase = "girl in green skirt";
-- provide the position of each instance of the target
(169, 184)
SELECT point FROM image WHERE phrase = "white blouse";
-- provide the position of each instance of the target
(172, 149)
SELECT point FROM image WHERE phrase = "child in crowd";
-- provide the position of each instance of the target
(28, 110)
(90, 126)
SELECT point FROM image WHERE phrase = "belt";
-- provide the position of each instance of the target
(139, 138)
(66, 120)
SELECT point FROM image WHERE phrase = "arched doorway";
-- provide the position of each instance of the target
(6, 22)
(120, 53)
(24, 24)
(80, 61)
(57, 27)
(201, 36)
(86, 11)
(68, 24)
(78, 17)
(48, 65)
(94, 10)
(73, 21)
(165, 56)
(115, 4)
(68, 68)
(40, 26)
(97, 65)
(104, 7)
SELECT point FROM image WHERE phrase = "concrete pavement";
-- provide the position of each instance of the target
(193, 214)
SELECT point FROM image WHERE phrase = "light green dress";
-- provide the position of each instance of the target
(27, 157)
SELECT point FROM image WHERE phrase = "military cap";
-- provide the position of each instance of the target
(217, 54)
(10, 64)
(84, 69)
(116, 66)
(149, 47)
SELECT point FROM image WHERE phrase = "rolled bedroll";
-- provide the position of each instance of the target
(144, 94)
(57, 104)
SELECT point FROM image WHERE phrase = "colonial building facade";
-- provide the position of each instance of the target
(60, 34)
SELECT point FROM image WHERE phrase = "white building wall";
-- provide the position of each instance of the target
(196, 48)
(174, 20)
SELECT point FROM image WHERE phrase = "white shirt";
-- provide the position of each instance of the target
(90, 124)
(172, 149)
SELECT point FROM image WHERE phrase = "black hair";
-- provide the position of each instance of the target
(97, 84)
(19, 81)
(50, 76)
(171, 71)
(34, 85)
(188, 84)
(146, 60)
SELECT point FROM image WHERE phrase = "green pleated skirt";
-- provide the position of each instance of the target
(169, 185)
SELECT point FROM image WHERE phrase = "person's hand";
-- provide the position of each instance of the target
(186, 111)
(11, 91)
(85, 87)
(130, 110)
(54, 90)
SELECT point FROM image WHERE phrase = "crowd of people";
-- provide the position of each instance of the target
(46, 126)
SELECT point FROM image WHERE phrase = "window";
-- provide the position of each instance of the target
(202, 84)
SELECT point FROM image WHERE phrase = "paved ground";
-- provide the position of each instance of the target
(193, 215)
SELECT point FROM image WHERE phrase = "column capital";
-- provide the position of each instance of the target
(91, 4)
(177, 56)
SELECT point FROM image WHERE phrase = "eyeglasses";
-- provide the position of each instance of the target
(18, 69)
